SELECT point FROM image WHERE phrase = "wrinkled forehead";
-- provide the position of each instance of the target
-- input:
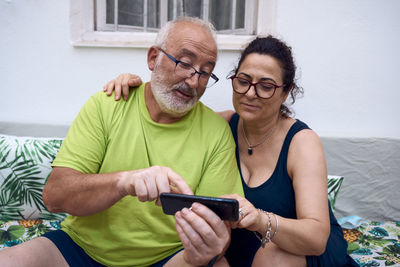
(191, 36)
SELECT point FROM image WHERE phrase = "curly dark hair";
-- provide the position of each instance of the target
(277, 49)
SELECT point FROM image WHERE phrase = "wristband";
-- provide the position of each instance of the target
(211, 263)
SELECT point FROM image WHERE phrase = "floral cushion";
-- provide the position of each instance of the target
(334, 183)
(15, 232)
(374, 243)
(25, 164)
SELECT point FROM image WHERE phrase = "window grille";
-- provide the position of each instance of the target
(228, 16)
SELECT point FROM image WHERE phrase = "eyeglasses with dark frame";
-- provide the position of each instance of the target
(264, 90)
(185, 70)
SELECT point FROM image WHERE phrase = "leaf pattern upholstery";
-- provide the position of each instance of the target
(374, 243)
(334, 184)
(25, 164)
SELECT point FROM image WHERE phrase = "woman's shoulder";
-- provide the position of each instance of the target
(306, 155)
(304, 137)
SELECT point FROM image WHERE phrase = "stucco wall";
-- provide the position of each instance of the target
(347, 53)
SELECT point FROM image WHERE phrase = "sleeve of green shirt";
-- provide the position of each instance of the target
(84, 146)
(221, 175)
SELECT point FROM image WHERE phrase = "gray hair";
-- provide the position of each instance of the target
(163, 33)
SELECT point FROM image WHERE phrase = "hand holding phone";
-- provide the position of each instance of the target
(227, 209)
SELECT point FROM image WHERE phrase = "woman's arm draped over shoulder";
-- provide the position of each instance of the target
(121, 84)
(124, 81)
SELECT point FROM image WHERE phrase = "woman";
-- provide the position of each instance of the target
(285, 217)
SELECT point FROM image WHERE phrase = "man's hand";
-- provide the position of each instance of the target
(203, 234)
(147, 184)
(121, 85)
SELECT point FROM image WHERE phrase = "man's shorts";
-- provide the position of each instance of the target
(75, 255)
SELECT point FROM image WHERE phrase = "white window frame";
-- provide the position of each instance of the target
(82, 24)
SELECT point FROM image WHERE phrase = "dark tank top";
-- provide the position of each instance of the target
(277, 195)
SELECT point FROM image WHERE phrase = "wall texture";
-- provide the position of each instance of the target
(346, 50)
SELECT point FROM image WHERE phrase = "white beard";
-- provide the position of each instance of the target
(166, 97)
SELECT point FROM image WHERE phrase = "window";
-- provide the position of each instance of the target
(135, 22)
(228, 16)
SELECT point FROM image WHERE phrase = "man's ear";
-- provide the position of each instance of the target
(152, 55)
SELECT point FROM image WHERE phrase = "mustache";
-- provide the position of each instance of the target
(184, 88)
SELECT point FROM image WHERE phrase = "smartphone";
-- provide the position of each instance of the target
(227, 209)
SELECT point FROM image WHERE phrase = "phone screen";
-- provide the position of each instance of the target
(226, 208)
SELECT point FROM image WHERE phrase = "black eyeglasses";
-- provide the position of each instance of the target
(263, 89)
(185, 70)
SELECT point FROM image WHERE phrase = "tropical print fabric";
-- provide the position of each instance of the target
(25, 164)
(334, 184)
(374, 244)
(15, 232)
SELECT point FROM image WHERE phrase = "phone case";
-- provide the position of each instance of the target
(226, 209)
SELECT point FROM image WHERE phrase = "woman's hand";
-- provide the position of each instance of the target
(249, 217)
(121, 85)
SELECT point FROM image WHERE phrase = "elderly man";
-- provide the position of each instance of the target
(119, 156)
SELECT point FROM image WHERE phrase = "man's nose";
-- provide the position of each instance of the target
(193, 80)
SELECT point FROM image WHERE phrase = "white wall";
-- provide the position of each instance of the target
(347, 52)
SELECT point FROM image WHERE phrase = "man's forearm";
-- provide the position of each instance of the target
(73, 192)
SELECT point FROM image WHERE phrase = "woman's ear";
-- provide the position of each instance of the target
(286, 94)
(152, 55)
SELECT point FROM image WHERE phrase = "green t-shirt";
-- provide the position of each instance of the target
(109, 136)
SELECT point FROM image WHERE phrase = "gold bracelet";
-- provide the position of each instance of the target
(267, 238)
